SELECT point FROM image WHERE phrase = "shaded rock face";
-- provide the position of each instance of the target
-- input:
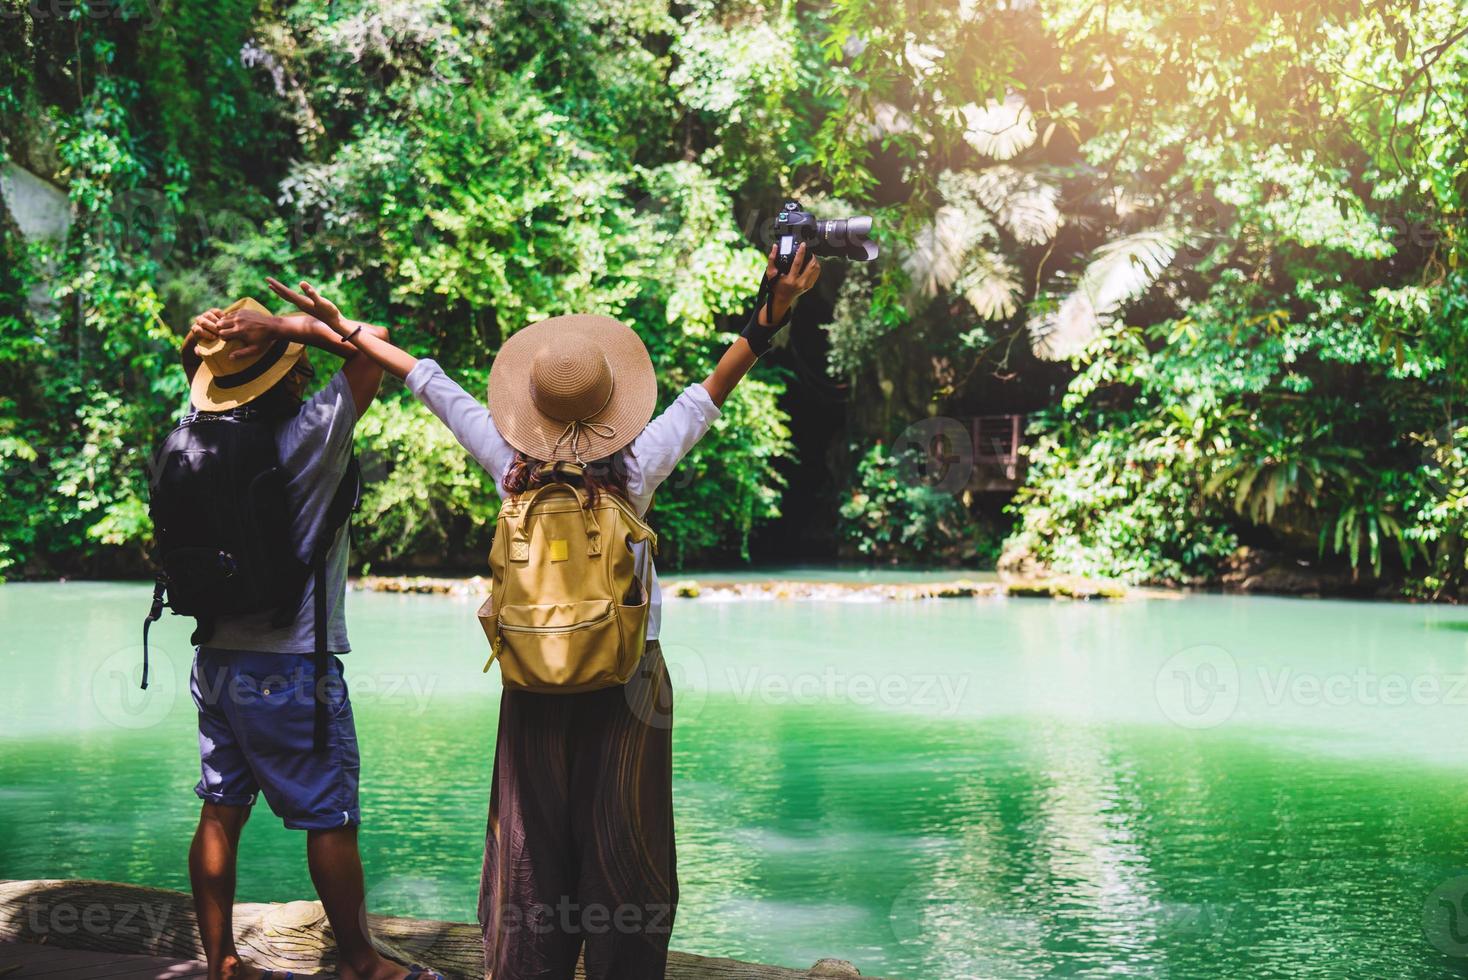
(1019, 561)
(39, 208)
(1256, 570)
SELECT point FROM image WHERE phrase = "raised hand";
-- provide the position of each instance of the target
(805, 269)
(205, 326)
(309, 301)
(254, 331)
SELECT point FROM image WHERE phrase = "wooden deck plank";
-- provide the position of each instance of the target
(291, 936)
(54, 963)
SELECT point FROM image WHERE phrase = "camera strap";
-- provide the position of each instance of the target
(758, 335)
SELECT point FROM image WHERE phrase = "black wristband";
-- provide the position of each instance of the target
(757, 334)
(353, 335)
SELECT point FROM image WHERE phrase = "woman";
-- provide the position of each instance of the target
(579, 848)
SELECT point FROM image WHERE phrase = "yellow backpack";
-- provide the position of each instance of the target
(567, 611)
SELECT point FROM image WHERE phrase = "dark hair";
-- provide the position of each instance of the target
(284, 398)
(605, 475)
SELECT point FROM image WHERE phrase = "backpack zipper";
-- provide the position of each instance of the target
(559, 629)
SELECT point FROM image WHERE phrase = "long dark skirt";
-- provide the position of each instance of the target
(579, 848)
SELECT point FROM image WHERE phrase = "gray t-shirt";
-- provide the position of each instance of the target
(315, 448)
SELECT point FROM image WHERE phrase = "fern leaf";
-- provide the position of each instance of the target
(991, 286)
(1001, 130)
(1021, 202)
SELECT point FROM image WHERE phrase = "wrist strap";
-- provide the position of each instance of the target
(757, 334)
(353, 335)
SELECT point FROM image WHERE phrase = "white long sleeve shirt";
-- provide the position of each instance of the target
(649, 459)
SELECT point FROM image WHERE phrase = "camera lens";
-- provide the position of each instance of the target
(847, 237)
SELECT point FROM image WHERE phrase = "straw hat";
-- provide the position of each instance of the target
(223, 382)
(574, 388)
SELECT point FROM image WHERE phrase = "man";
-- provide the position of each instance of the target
(255, 676)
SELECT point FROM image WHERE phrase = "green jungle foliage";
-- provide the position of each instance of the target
(1218, 247)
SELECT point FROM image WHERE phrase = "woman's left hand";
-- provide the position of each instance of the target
(805, 269)
(309, 301)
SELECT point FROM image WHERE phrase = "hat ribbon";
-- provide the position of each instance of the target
(264, 363)
(573, 430)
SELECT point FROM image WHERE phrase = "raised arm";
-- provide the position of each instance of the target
(741, 355)
(463, 414)
(256, 330)
(348, 333)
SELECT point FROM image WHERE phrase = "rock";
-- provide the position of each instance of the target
(1018, 560)
(686, 589)
(834, 968)
(1257, 570)
(40, 208)
(1061, 587)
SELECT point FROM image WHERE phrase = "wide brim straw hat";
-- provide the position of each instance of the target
(572, 388)
(223, 382)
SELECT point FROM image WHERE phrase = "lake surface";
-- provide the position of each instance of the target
(1206, 787)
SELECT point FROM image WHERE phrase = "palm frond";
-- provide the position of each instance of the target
(1119, 270)
(1065, 331)
(935, 258)
(991, 285)
(1001, 130)
(1124, 268)
(1021, 202)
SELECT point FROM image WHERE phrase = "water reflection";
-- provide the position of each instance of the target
(1047, 819)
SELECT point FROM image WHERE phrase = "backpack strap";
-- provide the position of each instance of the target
(160, 586)
(348, 495)
(560, 470)
(520, 543)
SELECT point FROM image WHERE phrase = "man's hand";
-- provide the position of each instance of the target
(804, 271)
(204, 327)
(254, 331)
(310, 302)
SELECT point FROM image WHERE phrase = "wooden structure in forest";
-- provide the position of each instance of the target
(996, 442)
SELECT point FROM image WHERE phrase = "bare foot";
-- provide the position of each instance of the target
(383, 969)
(234, 968)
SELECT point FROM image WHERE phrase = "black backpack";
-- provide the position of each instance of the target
(222, 530)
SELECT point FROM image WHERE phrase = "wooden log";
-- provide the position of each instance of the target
(106, 916)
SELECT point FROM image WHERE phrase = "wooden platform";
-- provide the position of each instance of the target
(77, 928)
(21, 961)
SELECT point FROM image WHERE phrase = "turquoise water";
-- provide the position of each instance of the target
(1206, 787)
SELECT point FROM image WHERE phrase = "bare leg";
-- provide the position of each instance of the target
(212, 874)
(336, 870)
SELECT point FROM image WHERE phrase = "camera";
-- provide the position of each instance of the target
(847, 238)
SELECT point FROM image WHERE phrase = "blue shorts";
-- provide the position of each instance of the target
(256, 717)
